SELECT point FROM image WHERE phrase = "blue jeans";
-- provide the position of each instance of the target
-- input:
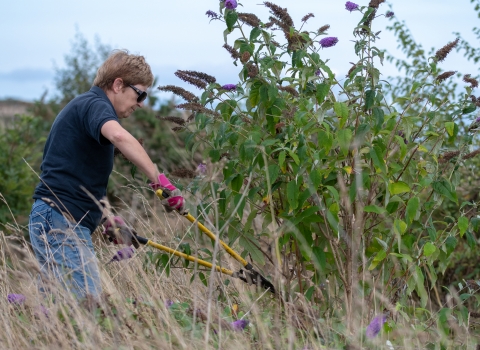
(64, 250)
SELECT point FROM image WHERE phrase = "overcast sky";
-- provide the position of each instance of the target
(35, 35)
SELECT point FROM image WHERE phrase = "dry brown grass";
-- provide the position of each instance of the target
(133, 315)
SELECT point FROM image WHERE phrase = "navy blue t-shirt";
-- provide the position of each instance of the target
(78, 159)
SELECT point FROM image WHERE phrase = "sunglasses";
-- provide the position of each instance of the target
(142, 95)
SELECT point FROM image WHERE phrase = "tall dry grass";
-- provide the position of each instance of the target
(133, 313)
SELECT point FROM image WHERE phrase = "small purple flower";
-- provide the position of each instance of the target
(168, 303)
(17, 299)
(231, 4)
(375, 326)
(229, 87)
(389, 14)
(351, 6)
(211, 14)
(123, 254)
(202, 168)
(328, 41)
(239, 325)
(317, 72)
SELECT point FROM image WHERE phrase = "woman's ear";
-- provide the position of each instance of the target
(117, 85)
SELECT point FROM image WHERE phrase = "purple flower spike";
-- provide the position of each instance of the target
(168, 303)
(229, 87)
(123, 254)
(239, 325)
(211, 14)
(17, 299)
(389, 14)
(328, 41)
(351, 6)
(375, 326)
(202, 168)
(231, 4)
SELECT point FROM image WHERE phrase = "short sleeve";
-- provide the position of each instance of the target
(98, 113)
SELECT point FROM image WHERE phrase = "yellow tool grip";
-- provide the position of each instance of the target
(212, 236)
(189, 257)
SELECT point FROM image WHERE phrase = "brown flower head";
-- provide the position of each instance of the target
(307, 17)
(249, 18)
(473, 82)
(323, 29)
(285, 28)
(472, 154)
(274, 43)
(447, 156)
(197, 107)
(280, 13)
(188, 96)
(191, 117)
(375, 3)
(183, 173)
(176, 120)
(233, 52)
(245, 57)
(352, 68)
(444, 76)
(200, 75)
(252, 69)
(441, 54)
(177, 128)
(290, 89)
(188, 79)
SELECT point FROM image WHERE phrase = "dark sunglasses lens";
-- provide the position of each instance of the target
(142, 97)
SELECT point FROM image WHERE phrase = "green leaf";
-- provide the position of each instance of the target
(450, 127)
(379, 257)
(255, 33)
(377, 158)
(462, 225)
(133, 171)
(322, 92)
(412, 208)
(237, 183)
(204, 279)
(252, 249)
(398, 187)
(446, 189)
(420, 286)
(379, 117)
(429, 249)
(273, 171)
(450, 244)
(374, 209)
(214, 155)
(316, 178)
(292, 194)
(369, 99)
(399, 227)
(281, 159)
(341, 109)
(294, 156)
(469, 109)
(344, 139)
(231, 19)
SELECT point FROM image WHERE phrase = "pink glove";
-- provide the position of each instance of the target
(124, 234)
(173, 196)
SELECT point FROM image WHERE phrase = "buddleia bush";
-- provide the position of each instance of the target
(326, 182)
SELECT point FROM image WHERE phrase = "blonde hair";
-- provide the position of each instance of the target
(132, 69)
